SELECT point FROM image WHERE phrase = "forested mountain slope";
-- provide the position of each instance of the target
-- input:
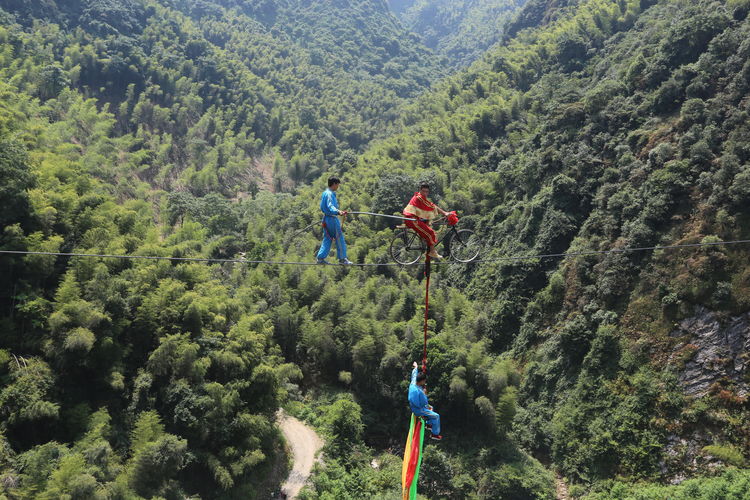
(598, 125)
(119, 380)
(227, 96)
(400, 6)
(110, 387)
(613, 124)
(460, 30)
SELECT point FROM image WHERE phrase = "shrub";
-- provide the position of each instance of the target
(343, 421)
(519, 481)
(505, 411)
(726, 453)
(345, 377)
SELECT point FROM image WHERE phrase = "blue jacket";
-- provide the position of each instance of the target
(329, 204)
(417, 397)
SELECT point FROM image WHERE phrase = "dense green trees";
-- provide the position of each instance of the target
(158, 129)
(458, 30)
(124, 362)
(16, 181)
(213, 91)
(731, 484)
(592, 127)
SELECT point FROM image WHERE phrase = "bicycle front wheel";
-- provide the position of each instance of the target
(407, 247)
(465, 245)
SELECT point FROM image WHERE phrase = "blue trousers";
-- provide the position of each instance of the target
(332, 231)
(432, 419)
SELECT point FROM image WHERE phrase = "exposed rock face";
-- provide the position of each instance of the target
(715, 350)
(683, 457)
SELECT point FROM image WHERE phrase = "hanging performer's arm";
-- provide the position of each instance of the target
(418, 402)
(424, 403)
(414, 401)
(414, 373)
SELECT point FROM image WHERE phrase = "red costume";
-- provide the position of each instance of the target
(423, 211)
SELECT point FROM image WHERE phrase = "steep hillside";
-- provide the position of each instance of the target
(150, 380)
(227, 97)
(459, 30)
(400, 6)
(119, 380)
(597, 125)
(611, 125)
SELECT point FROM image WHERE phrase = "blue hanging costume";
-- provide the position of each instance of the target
(419, 405)
(329, 205)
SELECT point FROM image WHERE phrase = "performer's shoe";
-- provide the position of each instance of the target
(436, 437)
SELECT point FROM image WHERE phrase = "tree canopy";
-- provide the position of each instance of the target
(207, 129)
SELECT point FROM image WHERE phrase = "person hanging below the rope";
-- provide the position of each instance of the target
(419, 404)
(423, 212)
(332, 230)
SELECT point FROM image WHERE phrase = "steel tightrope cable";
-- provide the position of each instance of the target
(376, 264)
(610, 251)
(185, 259)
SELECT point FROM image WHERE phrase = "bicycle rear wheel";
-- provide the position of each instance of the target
(407, 247)
(465, 245)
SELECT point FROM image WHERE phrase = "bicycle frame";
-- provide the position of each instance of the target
(451, 231)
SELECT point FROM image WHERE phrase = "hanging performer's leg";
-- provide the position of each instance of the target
(433, 420)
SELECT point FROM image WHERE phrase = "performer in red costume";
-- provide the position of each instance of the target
(423, 211)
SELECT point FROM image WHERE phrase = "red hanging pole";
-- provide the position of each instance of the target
(426, 311)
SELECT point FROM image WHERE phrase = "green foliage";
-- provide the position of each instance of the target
(159, 128)
(26, 398)
(731, 484)
(70, 478)
(345, 377)
(16, 180)
(155, 463)
(147, 429)
(727, 454)
(505, 410)
(148, 343)
(512, 481)
(343, 420)
(459, 30)
(485, 411)
(173, 73)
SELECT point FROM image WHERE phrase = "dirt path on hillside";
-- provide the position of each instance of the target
(561, 488)
(304, 444)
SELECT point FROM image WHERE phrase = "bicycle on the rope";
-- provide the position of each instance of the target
(407, 247)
